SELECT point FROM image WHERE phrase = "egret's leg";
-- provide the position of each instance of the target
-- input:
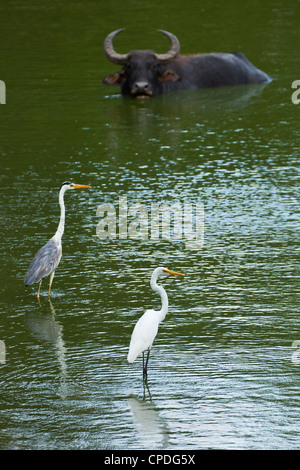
(50, 282)
(39, 288)
(146, 364)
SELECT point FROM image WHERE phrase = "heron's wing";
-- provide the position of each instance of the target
(44, 263)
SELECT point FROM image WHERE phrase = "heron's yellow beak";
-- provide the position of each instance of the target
(78, 186)
(173, 272)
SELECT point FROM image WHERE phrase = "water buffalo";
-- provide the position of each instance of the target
(146, 74)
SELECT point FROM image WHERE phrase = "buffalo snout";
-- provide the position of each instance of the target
(141, 89)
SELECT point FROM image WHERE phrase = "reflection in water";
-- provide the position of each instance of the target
(152, 429)
(181, 111)
(46, 328)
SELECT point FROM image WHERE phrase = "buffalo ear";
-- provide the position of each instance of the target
(114, 78)
(169, 76)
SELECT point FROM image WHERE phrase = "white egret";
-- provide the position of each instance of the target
(48, 257)
(146, 327)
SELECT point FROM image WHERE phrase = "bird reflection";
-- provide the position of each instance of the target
(152, 429)
(146, 388)
(47, 329)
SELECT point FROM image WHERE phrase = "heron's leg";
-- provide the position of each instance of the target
(50, 282)
(39, 288)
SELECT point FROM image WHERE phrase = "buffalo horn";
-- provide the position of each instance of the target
(173, 52)
(109, 51)
(121, 59)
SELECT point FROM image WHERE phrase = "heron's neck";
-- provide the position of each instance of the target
(164, 299)
(61, 225)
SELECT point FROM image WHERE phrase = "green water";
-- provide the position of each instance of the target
(223, 371)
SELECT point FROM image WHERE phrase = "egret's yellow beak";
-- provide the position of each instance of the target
(173, 272)
(78, 186)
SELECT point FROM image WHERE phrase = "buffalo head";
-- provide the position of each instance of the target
(144, 71)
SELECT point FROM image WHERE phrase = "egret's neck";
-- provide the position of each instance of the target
(61, 225)
(164, 298)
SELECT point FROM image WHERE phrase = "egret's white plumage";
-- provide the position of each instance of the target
(143, 334)
(146, 327)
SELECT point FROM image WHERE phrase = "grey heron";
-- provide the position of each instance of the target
(48, 257)
(146, 327)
